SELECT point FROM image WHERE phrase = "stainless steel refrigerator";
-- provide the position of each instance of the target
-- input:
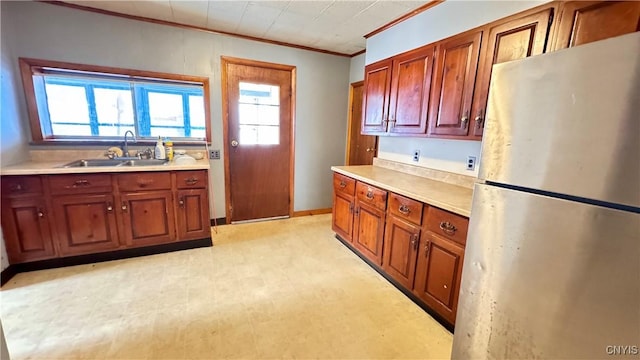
(552, 264)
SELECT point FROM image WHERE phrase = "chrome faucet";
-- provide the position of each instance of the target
(126, 145)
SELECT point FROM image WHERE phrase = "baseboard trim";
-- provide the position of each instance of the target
(406, 292)
(218, 221)
(312, 212)
(14, 269)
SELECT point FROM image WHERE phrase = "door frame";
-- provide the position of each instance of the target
(227, 60)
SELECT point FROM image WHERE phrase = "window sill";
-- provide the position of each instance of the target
(112, 142)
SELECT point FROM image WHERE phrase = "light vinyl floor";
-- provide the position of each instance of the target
(270, 290)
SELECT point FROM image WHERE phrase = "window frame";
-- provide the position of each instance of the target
(29, 67)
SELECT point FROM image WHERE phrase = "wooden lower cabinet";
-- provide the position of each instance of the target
(192, 218)
(400, 250)
(438, 272)
(369, 231)
(26, 229)
(147, 217)
(342, 218)
(85, 223)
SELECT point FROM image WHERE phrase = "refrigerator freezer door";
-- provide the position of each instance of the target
(546, 278)
(568, 122)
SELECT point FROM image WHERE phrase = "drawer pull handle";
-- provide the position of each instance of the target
(191, 181)
(448, 227)
(404, 209)
(343, 184)
(17, 187)
(370, 194)
(79, 183)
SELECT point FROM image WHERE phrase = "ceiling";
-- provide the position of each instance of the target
(337, 26)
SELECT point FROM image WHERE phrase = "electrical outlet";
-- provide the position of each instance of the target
(416, 155)
(471, 163)
(214, 154)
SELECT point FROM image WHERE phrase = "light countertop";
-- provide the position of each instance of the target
(454, 198)
(55, 167)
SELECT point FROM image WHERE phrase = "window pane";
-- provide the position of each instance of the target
(114, 109)
(196, 111)
(166, 115)
(67, 104)
(71, 130)
(259, 114)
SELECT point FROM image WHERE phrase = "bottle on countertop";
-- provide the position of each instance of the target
(159, 151)
(168, 149)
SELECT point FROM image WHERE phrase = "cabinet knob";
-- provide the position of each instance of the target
(414, 242)
(448, 227)
(444, 286)
(17, 187)
(404, 209)
(109, 207)
(370, 194)
(181, 202)
(479, 120)
(464, 119)
(124, 207)
(426, 249)
(40, 213)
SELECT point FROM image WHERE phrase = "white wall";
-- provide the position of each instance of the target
(56, 33)
(444, 20)
(356, 68)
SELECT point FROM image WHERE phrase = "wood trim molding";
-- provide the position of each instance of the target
(350, 119)
(404, 17)
(190, 27)
(312, 212)
(358, 53)
(224, 61)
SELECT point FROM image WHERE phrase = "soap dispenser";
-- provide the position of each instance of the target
(159, 153)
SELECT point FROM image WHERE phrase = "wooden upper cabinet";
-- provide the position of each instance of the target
(582, 22)
(453, 84)
(507, 40)
(375, 105)
(410, 87)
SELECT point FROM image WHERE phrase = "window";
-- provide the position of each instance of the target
(259, 109)
(72, 102)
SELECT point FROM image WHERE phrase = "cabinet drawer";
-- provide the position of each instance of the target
(371, 195)
(406, 208)
(21, 185)
(79, 183)
(144, 181)
(447, 224)
(344, 184)
(191, 179)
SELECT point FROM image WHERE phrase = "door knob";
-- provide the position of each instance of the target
(234, 143)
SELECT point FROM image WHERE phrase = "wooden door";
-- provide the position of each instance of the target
(453, 84)
(26, 228)
(148, 217)
(192, 215)
(85, 223)
(369, 231)
(511, 40)
(342, 215)
(401, 242)
(582, 22)
(375, 105)
(410, 88)
(361, 149)
(438, 274)
(259, 139)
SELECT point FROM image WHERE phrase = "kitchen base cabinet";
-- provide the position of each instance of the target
(369, 231)
(147, 217)
(438, 275)
(400, 250)
(85, 223)
(193, 220)
(342, 218)
(26, 229)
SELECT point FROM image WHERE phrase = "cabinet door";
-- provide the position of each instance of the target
(193, 214)
(438, 275)
(582, 22)
(85, 223)
(369, 231)
(401, 241)
(410, 87)
(147, 217)
(26, 228)
(375, 105)
(507, 41)
(453, 84)
(342, 216)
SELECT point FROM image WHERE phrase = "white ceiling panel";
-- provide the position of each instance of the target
(334, 25)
